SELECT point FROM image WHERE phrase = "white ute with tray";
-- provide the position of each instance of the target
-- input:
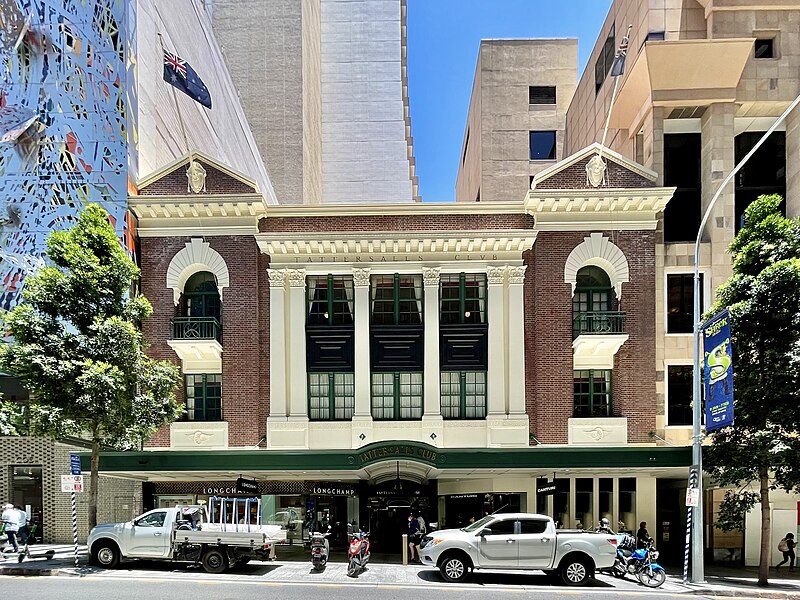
(183, 534)
(519, 541)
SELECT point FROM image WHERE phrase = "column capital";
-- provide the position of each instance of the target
(361, 277)
(430, 275)
(496, 275)
(297, 277)
(516, 275)
(277, 278)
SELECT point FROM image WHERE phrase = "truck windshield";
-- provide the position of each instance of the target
(478, 524)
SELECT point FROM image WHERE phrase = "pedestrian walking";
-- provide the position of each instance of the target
(787, 546)
(413, 532)
(423, 529)
(22, 524)
(11, 520)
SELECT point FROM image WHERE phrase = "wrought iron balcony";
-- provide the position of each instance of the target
(598, 323)
(195, 328)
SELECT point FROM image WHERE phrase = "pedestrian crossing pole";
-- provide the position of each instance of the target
(689, 511)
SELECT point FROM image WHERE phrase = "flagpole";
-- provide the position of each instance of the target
(623, 50)
(175, 99)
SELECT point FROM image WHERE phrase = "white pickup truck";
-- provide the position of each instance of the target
(182, 534)
(518, 541)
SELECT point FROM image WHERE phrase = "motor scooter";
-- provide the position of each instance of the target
(320, 549)
(358, 554)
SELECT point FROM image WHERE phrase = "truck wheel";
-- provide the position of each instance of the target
(215, 561)
(575, 571)
(106, 554)
(454, 568)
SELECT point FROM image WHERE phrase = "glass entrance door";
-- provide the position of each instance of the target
(26, 491)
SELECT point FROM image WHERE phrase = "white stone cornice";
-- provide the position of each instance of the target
(597, 208)
(361, 277)
(516, 275)
(297, 277)
(277, 278)
(430, 276)
(496, 275)
(207, 214)
(355, 247)
(416, 208)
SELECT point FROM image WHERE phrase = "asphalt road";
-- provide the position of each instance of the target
(121, 587)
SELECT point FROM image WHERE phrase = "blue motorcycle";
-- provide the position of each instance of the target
(648, 572)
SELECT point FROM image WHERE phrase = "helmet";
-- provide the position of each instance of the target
(605, 522)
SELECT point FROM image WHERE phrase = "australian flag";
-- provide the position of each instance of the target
(179, 73)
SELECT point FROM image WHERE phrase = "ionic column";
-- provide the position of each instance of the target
(496, 389)
(298, 396)
(516, 342)
(277, 343)
(432, 411)
(363, 409)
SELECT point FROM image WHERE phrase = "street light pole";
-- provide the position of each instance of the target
(698, 569)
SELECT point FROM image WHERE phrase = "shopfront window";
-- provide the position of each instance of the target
(584, 502)
(26, 491)
(627, 504)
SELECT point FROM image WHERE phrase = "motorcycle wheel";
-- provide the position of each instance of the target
(652, 578)
(352, 569)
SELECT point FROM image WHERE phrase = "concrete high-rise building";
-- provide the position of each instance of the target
(515, 123)
(325, 90)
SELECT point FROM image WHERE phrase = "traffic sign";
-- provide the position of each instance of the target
(74, 464)
(692, 497)
(72, 483)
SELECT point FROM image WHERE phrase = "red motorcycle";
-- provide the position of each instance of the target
(358, 554)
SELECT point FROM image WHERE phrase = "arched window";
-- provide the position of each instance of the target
(593, 295)
(201, 296)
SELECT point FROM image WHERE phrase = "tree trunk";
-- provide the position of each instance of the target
(766, 529)
(93, 481)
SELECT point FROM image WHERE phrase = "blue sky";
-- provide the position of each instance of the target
(443, 39)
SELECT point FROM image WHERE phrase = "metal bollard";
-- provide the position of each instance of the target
(405, 549)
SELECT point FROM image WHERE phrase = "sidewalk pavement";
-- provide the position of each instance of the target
(292, 563)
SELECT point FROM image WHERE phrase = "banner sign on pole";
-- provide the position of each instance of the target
(246, 486)
(718, 371)
(548, 489)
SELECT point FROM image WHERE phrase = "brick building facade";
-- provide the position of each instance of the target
(496, 367)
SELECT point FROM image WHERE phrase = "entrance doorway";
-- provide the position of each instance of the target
(389, 505)
(26, 491)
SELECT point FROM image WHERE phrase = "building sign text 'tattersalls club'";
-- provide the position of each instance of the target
(391, 452)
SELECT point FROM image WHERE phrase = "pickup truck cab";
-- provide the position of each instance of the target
(518, 541)
(182, 534)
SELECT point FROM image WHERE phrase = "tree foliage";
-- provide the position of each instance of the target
(763, 296)
(78, 348)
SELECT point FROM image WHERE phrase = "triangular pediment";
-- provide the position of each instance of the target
(571, 173)
(216, 179)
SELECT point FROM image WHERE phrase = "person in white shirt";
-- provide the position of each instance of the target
(22, 524)
(11, 521)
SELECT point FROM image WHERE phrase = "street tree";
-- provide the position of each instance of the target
(763, 296)
(78, 348)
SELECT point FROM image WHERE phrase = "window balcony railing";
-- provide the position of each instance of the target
(598, 323)
(195, 328)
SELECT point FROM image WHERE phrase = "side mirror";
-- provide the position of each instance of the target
(486, 532)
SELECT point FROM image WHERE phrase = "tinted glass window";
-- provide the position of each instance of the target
(541, 94)
(532, 526)
(682, 169)
(679, 386)
(680, 302)
(765, 48)
(543, 145)
(502, 527)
